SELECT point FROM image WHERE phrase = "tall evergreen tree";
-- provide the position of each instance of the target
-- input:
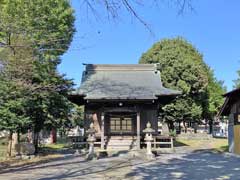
(182, 68)
(33, 34)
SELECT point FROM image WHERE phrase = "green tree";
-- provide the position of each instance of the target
(77, 116)
(33, 34)
(12, 110)
(182, 68)
(215, 91)
(15, 74)
(213, 98)
(237, 81)
(48, 106)
(48, 24)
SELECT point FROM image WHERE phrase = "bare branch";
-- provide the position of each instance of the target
(135, 14)
(92, 9)
(113, 8)
(184, 5)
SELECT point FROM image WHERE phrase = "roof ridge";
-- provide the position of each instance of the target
(121, 67)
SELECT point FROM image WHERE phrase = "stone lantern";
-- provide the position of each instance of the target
(91, 139)
(148, 138)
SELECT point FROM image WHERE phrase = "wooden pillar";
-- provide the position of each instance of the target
(154, 145)
(138, 130)
(102, 131)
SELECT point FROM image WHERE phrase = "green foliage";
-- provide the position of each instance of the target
(173, 133)
(33, 34)
(181, 65)
(237, 81)
(214, 98)
(182, 68)
(48, 24)
(77, 116)
(12, 107)
(16, 72)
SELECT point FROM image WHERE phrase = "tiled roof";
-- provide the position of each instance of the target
(140, 81)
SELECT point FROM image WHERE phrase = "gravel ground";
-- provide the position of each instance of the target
(184, 164)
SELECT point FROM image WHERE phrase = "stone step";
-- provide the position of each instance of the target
(121, 141)
(123, 137)
(121, 144)
(132, 144)
(126, 140)
(120, 147)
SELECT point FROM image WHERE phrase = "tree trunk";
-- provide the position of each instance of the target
(12, 142)
(18, 136)
(179, 127)
(170, 125)
(184, 127)
(210, 123)
(53, 136)
(9, 150)
(30, 136)
(35, 141)
(195, 127)
(15, 142)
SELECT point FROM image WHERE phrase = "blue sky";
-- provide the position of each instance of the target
(213, 28)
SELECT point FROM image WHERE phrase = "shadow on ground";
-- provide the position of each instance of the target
(200, 164)
(179, 144)
(32, 165)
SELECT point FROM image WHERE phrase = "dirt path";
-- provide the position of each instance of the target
(184, 165)
(192, 160)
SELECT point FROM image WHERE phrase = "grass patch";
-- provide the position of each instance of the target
(220, 145)
(215, 144)
(178, 143)
(48, 150)
(56, 147)
(61, 143)
(222, 149)
(191, 142)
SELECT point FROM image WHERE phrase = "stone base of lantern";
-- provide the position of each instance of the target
(135, 153)
(150, 156)
(91, 156)
(91, 153)
(141, 154)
